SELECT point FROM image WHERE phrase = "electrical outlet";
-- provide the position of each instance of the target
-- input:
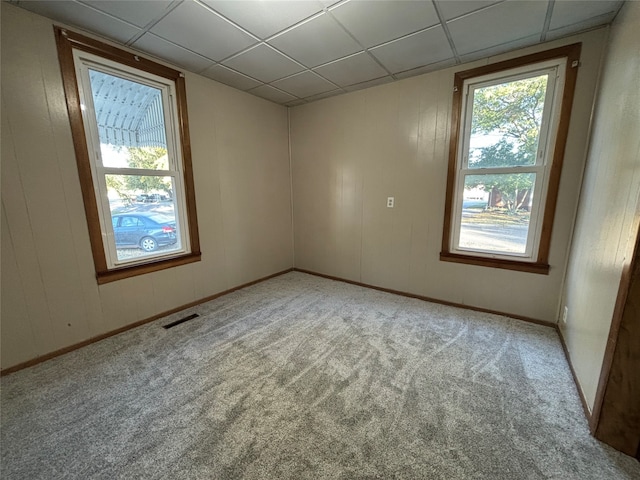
(564, 314)
(390, 202)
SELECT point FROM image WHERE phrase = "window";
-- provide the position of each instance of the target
(130, 131)
(509, 127)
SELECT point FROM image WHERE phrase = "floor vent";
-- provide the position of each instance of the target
(182, 320)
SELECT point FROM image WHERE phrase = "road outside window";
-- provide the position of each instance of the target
(507, 142)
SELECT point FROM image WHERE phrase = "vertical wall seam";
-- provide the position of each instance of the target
(65, 194)
(293, 235)
(34, 337)
(585, 160)
(36, 253)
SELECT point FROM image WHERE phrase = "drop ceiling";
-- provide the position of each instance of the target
(293, 52)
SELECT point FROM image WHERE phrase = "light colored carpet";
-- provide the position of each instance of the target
(301, 377)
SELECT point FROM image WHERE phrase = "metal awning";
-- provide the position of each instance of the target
(128, 113)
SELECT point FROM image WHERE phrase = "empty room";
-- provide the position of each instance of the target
(320, 239)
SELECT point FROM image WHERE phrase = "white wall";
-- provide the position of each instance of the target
(50, 298)
(609, 204)
(351, 152)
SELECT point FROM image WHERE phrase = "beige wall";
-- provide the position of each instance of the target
(609, 204)
(351, 152)
(50, 298)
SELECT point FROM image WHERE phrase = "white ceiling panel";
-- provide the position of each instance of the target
(160, 48)
(427, 68)
(455, 8)
(264, 18)
(273, 94)
(581, 26)
(227, 76)
(315, 48)
(264, 63)
(73, 13)
(576, 11)
(423, 48)
(370, 83)
(498, 49)
(497, 25)
(320, 96)
(138, 12)
(304, 84)
(202, 31)
(356, 68)
(316, 41)
(295, 103)
(373, 23)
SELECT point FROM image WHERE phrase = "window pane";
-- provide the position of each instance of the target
(505, 124)
(143, 215)
(496, 212)
(130, 122)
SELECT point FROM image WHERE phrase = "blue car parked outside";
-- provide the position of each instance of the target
(147, 231)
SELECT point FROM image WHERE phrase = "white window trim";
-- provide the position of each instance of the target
(547, 138)
(83, 61)
(67, 42)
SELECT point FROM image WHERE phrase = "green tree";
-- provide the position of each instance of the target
(513, 112)
(148, 158)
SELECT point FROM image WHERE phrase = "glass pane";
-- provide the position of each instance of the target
(130, 122)
(496, 212)
(505, 126)
(143, 215)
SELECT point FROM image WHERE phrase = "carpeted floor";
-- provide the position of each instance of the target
(301, 377)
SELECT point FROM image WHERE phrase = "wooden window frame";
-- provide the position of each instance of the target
(540, 264)
(66, 42)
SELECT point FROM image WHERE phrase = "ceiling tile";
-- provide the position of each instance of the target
(265, 18)
(295, 103)
(370, 83)
(427, 68)
(273, 94)
(73, 13)
(353, 69)
(264, 63)
(320, 96)
(317, 41)
(498, 49)
(227, 76)
(138, 12)
(159, 47)
(373, 23)
(497, 25)
(454, 8)
(304, 84)
(568, 13)
(579, 27)
(416, 50)
(199, 29)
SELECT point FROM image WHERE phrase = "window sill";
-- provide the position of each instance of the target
(133, 271)
(530, 267)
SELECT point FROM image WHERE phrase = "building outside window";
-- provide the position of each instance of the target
(509, 129)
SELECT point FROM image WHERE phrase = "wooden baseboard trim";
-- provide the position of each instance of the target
(76, 346)
(432, 300)
(583, 400)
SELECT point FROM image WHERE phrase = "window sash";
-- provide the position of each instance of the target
(83, 63)
(470, 86)
(533, 234)
(546, 139)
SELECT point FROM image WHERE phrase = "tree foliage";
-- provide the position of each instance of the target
(512, 112)
(148, 158)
